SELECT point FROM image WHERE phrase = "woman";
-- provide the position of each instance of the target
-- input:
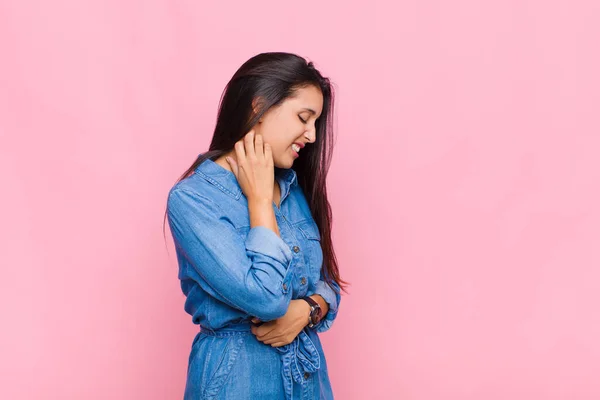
(253, 237)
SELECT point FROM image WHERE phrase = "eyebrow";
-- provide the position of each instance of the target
(309, 110)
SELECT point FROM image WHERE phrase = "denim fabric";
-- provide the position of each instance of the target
(231, 272)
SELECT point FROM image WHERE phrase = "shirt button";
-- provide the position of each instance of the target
(306, 375)
(296, 249)
(285, 286)
(303, 281)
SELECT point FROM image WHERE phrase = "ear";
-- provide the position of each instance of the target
(256, 103)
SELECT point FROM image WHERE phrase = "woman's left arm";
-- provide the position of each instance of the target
(332, 298)
(285, 329)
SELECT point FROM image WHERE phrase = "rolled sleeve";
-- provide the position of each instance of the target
(328, 294)
(333, 299)
(248, 275)
(263, 241)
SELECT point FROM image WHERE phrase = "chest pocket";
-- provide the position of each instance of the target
(309, 229)
(311, 243)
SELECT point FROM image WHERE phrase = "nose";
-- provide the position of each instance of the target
(310, 136)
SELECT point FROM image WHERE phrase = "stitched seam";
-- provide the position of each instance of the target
(218, 185)
(212, 378)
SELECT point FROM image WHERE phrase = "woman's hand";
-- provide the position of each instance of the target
(254, 168)
(284, 330)
(255, 173)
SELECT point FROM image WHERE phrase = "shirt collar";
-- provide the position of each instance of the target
(227, 182)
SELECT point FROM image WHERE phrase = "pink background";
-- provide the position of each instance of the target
(465, 188)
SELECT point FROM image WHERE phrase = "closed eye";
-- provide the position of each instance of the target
(303, 121)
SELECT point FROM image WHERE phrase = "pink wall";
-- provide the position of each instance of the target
(465, 187)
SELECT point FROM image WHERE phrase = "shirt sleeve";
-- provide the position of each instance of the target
(333, 299)
(252, 275)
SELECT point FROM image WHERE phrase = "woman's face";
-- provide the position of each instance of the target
(293, 121)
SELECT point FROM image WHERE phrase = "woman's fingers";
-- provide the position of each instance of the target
(254, 166)
(249, 145)
(240, 152)
(258, 147)
(268, 154)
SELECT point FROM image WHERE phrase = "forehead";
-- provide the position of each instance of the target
(309, 97)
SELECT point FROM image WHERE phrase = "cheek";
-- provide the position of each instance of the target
(278, 146)
(280, 133)
(281, 139)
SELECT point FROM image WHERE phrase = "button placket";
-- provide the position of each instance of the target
(295, 248)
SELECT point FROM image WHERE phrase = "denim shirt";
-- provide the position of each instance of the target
(231, 272)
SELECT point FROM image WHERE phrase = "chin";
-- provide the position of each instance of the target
(286, 164)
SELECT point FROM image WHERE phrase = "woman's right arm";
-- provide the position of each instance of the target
(252, 274)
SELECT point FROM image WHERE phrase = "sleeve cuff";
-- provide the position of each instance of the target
(263, 240)
(333, 300)
(327, 293)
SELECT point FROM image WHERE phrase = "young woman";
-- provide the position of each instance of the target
(253, 237)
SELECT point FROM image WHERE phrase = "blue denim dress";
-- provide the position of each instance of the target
(230, 273)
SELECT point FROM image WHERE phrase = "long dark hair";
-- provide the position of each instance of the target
(272, 78)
